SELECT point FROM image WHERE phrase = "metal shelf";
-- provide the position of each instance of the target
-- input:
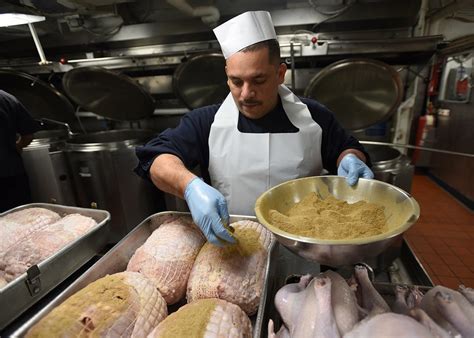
(151, 57)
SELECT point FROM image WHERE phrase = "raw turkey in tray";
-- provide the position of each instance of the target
(168, 255)
(122, 304)
(37, 239)
(167, 249)
(41, 245)
(233, 273)
(326, 305)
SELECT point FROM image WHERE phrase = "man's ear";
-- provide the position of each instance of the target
(281, 72)
(228, 80)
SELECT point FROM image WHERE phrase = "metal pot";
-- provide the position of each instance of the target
(102, 163)
(384, 157)
(109, 140)
(45, 161)
(53, 138)
(102, 167)
(391, 166)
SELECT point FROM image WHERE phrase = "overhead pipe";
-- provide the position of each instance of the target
(408, 146)
(210, 15)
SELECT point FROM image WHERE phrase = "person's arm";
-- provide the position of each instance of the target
(23, 142)
(207, 205)
(188, 142)
(356, 152)
(170, 175)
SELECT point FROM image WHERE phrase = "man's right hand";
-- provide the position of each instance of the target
(209, 210)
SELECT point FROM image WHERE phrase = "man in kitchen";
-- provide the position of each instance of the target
(260, 136)
(16, 132)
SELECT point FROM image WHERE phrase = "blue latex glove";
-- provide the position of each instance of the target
(351, 167)
(209, 210)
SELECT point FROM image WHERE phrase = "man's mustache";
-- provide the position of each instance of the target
(250, 102)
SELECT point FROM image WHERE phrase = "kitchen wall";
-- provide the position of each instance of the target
(454, 132)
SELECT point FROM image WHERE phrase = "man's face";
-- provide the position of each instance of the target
(254, 81)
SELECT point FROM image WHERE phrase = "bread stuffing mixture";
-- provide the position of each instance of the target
(331, 218)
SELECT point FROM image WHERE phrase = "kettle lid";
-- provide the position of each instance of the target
(41, 99)
(108, 94)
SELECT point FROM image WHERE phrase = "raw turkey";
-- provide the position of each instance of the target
(343, 302)
(289, 302)
(328, 304)
(467, 292)
(3, 282)
(450, 309)
(210, 318)
(282, 333)
(125, 304)
(400, 305)
(234, 273)
(371, 300)
(316, 307)
(426, 321)
(167, 257)
(308, 313)
(406, 299)
(389, 325)
(43, 244)
(414, 297)
(17, 225)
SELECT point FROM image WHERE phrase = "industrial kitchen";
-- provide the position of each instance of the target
(216, 168)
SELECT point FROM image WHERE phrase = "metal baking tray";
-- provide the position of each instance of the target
(116, 260)
(285, 267)
(41, 278)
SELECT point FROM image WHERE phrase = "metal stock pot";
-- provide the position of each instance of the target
(45, 161)
(391, 166)
(102, 167)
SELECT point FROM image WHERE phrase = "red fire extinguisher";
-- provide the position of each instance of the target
(462, 83)
(435, 77)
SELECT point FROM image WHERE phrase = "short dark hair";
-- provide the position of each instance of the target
(273, 49)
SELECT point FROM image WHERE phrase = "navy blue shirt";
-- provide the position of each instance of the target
(189, 140)
(14, 119)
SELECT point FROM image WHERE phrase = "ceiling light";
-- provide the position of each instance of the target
(15, 19)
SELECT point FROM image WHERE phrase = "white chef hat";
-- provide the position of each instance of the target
(244, 30)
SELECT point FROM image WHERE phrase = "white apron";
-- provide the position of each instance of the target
(244, 165)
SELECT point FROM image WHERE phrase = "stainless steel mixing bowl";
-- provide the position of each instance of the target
(401, 210)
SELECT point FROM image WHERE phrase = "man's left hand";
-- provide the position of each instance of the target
(351, 167)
